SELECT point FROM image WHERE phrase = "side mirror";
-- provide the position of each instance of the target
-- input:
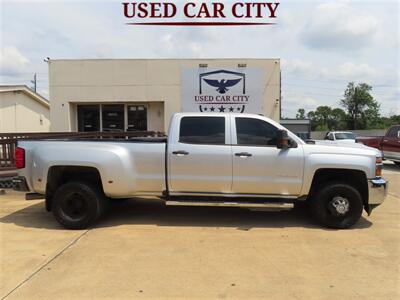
(283, 141)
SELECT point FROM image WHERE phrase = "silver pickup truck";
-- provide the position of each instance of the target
(234, 160)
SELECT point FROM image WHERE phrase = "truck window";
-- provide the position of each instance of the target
(255, 132)
(202, 130)
(394, 132)
(345, 136)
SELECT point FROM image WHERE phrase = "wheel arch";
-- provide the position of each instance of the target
(355, 178)
(59, 175)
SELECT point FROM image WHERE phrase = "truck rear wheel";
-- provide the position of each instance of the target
(337, 205)
(77, 205)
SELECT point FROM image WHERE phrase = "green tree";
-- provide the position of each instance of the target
(389, 121)
(338, 119)
(326, 118)
(362, 109)
(301, 113)
(320, 117)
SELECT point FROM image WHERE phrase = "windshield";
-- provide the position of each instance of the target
(345, 136)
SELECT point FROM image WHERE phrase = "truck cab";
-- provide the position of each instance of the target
(232, 154)
(340, 136)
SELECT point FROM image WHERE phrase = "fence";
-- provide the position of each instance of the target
(8, 141)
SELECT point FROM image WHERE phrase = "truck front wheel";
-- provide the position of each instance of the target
(337, 205)
(77, 205)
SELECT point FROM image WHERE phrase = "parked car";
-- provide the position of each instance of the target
(208, 159)
(340, 136)
(388, 144)
(303, 135)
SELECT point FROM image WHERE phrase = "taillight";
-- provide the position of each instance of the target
(378, 167)
(20, 157)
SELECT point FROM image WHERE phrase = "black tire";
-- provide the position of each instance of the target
(78, 205)
(323, 201)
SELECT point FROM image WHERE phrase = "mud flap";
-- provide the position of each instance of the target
(370, 207)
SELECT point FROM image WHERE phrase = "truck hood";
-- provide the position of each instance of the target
(343, 148)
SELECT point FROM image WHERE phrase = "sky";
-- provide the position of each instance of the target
(322, 44)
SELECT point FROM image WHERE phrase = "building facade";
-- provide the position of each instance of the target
(23, 110)
(143, 94)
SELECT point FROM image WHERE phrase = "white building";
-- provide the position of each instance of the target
(142, 94)
(23, 110)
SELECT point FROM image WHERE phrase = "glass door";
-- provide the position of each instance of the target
(113, 118)
(88, 118)
(137, 118)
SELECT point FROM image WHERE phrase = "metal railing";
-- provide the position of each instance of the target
(8, 141)
(7, 148)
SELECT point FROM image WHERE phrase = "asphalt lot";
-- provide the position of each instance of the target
(143, 249)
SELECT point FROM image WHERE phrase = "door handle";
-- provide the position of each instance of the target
(180, 152)
(243, 154)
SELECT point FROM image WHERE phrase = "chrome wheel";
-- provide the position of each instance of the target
(339, 206)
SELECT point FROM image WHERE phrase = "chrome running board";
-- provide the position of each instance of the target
(250, 205)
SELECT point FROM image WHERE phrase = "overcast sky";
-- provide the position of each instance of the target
(322, 44)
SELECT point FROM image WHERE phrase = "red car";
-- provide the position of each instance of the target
(388, 144)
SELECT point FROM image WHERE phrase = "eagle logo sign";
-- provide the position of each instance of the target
(222, 85)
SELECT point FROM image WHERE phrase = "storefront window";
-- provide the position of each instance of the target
(88, 118)
(113, 117)
(137, 117)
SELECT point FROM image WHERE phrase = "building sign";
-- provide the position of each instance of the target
(222, 90)
(200, 13)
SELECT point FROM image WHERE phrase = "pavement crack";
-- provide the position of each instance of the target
(73, 242)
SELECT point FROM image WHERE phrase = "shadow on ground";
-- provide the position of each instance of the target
(391, 167)
(154, 212)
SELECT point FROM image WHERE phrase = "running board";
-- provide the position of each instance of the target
(249, 205)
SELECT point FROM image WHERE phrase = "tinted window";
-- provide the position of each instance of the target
(88, 118)
(202, 130)
(394, 132)
(137, 117)
(113, 117)
(345, 136)
(255, 132)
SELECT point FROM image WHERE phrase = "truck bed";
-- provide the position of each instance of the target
(128, 168)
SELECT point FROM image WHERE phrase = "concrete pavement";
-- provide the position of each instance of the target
(143, 249)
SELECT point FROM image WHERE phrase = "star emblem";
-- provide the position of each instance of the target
(212, 108)
(231, 109)
(221, 109)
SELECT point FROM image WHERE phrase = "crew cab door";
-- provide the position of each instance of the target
(259, 167)
(200, 155)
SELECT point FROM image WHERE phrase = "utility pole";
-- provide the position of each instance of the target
(34, 82)
(355, 108)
